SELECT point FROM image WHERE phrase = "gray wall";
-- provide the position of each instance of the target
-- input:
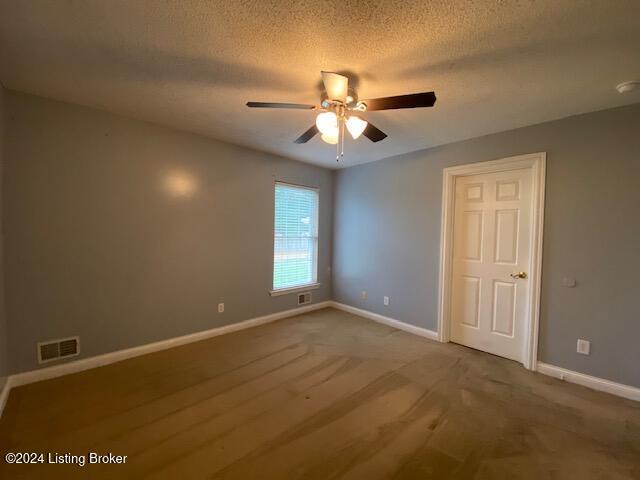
(4, 356)
(387, 235)
(126, 233)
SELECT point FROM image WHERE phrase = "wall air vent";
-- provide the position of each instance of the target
(304, 298)
(58, 349)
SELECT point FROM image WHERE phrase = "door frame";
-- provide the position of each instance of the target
(537, 163)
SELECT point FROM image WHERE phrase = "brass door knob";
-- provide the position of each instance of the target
(519, 275)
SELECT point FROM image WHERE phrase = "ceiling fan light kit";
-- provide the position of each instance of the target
(340, 106)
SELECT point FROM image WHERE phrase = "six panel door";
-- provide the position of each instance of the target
(491, 246)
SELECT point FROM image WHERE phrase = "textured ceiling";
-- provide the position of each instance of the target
(494, 65)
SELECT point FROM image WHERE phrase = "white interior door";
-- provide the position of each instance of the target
(491, 257)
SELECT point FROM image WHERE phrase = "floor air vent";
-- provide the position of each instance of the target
(58, 349)
(304, 298)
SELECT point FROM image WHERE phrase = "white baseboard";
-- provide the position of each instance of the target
(391, 322)
(32, 376)
(596, 383)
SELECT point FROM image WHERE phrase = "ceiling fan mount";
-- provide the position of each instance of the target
(341, 109)
(350, 101)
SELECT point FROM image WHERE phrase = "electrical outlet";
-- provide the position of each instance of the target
(385, 300)
(364, 295)
(220, 307)
(584, 346)
(569, 282)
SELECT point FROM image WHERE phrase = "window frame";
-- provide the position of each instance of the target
(274, 292)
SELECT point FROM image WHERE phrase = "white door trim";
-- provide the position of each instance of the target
(537, 163)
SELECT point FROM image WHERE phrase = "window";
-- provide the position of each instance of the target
(295, 251)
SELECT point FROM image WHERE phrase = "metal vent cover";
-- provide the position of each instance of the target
(304, 298)
(58, 349)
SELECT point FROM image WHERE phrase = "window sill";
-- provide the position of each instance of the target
(301, 288)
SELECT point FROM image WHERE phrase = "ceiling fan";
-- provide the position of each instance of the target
(341, 108)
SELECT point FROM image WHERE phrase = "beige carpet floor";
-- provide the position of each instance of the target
(325, 395)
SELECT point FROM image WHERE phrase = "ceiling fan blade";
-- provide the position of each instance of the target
(374, 133)
(413, 100)
(299, 106)
(336, 85)
(308, 135)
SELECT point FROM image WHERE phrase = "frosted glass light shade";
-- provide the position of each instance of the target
(327, 122)
(331, 137)
(356, 126)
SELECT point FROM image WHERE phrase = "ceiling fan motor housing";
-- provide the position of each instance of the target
(352, 99)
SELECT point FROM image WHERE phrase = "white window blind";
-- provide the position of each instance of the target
(295, 236)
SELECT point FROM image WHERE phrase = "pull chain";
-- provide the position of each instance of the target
(338, 146)
(342, 138)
